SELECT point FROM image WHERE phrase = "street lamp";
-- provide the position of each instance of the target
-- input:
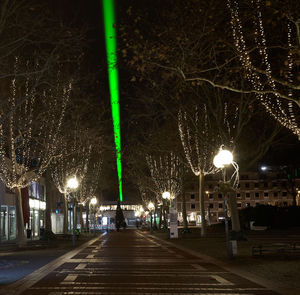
(93, 201)
(151, 208)
(168, 196)
(221, 160)
(208, 208)
(72, 184)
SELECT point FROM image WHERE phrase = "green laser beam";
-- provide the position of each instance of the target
(111, 53)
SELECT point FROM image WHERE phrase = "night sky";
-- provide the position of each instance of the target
(284, 149)
(149, 98)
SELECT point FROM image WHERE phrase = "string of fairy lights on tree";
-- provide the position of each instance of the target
(281, 110)
(199, 139)
(29, 135)
(89, 182)
(165, 172)
(73, 162)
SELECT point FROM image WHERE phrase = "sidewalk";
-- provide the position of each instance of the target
(279, 271)
(131, 262)
(15, 263)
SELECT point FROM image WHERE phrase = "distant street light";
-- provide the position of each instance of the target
(264, 168)
(150, 206)
(94, 201)
(73, 184)
(168, 196)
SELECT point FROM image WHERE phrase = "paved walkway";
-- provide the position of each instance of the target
(130, 262)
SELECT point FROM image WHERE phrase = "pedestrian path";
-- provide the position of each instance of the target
(131, 262)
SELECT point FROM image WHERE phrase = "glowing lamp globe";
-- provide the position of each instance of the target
(150, 206)
(166, 195)
(223, 158)
(72, 183)
(93, 201)
(136, 214)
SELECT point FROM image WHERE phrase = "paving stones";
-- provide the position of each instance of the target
(128, 262)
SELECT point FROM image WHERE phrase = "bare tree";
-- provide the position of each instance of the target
(200, 142)
(166, 173)
(28, 136)
(75, 153)
(279, 95)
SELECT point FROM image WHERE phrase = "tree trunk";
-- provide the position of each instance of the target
(160, 216)
(165, 216)
(21, 238)
(201, 201)
(48, 226)
(235, 221)
(87, 226)
(155, 212)
(184, 215)
(81, 218)
(65, 214)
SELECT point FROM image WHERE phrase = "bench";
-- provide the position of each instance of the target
(276, 249)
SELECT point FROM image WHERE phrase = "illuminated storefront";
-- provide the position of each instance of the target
(8, 223)
(37, 207)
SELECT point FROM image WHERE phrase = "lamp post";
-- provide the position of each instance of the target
(72, 184)
(221, 160)
(151, 207)
(93, 202)
(208, 208)
(173, 215)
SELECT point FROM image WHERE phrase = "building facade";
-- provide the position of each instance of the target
(34, 207)
(255, 188)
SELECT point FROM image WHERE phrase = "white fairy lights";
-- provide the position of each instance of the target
(281, 110)
(29, 133)
(165, 172)
(199, 142)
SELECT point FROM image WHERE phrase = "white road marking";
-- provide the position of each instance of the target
(81, 266)
(197, 266)
(70, 278)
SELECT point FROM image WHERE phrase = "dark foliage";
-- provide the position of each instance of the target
(271, 216)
